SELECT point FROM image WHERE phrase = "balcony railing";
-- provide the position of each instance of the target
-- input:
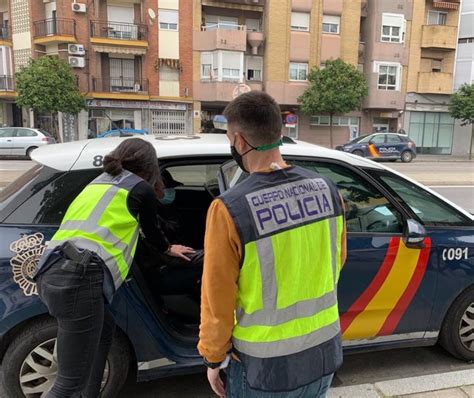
(120, 85)
(222, 25)
(7, 83)
(118, 30)
(55, 26)
(4, 32)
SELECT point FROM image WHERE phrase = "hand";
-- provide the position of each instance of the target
(180, 251)
(216, 382)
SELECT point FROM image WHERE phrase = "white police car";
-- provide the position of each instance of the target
(408, 280)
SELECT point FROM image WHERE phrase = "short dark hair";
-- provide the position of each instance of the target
(257, 115)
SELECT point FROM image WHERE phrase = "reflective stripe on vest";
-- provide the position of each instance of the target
(291, 232)
(99, 220)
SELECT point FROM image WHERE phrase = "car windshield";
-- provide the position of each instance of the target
(358, 139)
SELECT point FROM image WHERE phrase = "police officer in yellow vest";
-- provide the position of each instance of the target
(89, 257)
(274, 247)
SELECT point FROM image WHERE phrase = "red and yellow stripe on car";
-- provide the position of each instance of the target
(380, 307)
(373, 151)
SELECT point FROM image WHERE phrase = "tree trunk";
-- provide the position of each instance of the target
(330, 131)
(472, 140)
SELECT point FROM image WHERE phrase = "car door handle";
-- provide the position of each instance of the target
(9, 140)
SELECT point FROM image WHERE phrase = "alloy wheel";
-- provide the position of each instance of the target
(466, 328)
(39, 369)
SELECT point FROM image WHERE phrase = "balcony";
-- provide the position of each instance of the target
(220, 91)
(435, 83)
(119, 34)
(260, 3)
(7, 87)
(446, 5)
(120, 88)
(221, 36)
(439, 37)
(54, 31)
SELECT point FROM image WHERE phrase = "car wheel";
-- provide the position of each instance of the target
(30, 366)
(407, 157)
(29, 150)
(358, 153)
(457, 332)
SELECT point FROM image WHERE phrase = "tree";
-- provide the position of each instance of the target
(338, 88)
(48, 85)
(461, 107)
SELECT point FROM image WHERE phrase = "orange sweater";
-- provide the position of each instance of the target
(222, 255)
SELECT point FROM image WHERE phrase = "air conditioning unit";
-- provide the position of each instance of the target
(78, 7)
(76, 49)
(77, 62)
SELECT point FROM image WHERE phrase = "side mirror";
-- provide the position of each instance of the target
(414, 234)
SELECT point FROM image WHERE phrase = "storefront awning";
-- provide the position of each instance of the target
(119, 50)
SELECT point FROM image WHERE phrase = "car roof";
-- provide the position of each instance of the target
(79, 155)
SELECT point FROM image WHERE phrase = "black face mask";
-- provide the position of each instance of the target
(238, 157)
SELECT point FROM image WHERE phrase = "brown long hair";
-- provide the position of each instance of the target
(139, 157)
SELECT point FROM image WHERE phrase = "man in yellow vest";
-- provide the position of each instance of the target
(274, 246)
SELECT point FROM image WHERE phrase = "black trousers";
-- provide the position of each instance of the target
(74, 296)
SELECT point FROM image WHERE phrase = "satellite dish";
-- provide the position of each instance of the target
(151, 14)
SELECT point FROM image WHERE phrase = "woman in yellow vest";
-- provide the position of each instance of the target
(89, 257)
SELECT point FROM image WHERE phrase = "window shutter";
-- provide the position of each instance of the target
(332, 19)
(120, 14)
(168, 16)
(393, 20)
(300, 19)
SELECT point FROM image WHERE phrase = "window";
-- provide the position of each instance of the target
(300, 21)
(331, 24)
(254, 68)
(214, 22)
(466, 40)
(367, 210)
(195, 175)
(298, 71)
(5, 133)
(26, 133)
(432, 132)
(436, 65)
(169, 74)
(377, 139)
(389, 76)
(253, 25)
(222, 66)
(336, 121)
(231, 65)
(427, 207)
(122, 74)
(168, 19)
(393, 28)
(49, 203)
(393, 139)
(437, 17)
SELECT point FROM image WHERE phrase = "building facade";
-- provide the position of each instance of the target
(405, 48)
(464, 72)
(132, 59)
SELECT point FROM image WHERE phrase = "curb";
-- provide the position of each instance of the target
(461, 382)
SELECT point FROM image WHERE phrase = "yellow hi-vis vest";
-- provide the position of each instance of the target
(290, 224)
(99, 220)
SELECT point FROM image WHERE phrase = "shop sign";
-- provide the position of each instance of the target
(136, 105)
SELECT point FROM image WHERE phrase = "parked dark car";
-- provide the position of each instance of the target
(382, 146)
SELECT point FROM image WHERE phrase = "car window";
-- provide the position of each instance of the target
(367, 209)
(5, 133)
(49, 204)
(366, 138)
(361, 138)
(378, 139)
(429, 208)
(26, 133)
(195, 175)
(393, 139)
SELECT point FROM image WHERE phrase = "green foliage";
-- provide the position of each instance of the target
(461, 105)
(338, 88)
(48, 85)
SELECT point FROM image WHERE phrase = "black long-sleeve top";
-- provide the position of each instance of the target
(142, 205)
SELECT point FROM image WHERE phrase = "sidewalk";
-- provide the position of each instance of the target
(442, 158)
(459, 384)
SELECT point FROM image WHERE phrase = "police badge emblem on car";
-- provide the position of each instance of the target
(28, 251)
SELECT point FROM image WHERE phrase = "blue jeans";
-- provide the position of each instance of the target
(237, 387)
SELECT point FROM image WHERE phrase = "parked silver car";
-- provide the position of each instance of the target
(21, 141)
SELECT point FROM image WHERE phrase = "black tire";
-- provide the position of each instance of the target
(42, 331)
(406, 157)
(450, 335)
(29, 150)
(358, 152)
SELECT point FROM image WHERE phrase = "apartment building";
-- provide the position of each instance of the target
(8, 110)
(132, 58)
(464, 71)
(406, 49)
